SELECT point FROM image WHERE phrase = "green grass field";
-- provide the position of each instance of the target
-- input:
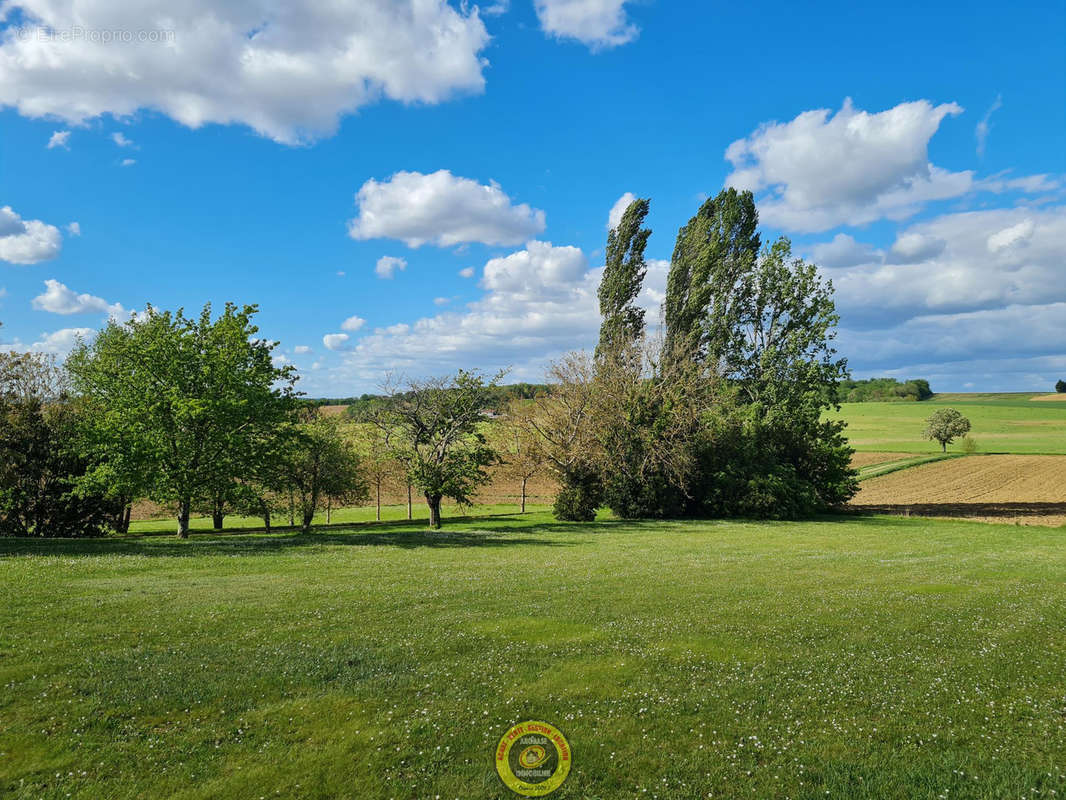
(1001, 423)
(845, 658)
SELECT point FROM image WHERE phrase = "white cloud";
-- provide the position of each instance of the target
(912, 247)
(388, 265)
(599, 24)
(128, 162)
(952, 264)
(441, 301)
(59, 342)
(618, 209)
(287, 69)
(984, 127)
(301, 349)
(120, 139)
(335, 341)
(1011, 236)
(821, 170)
(74, 229)
(26, 241)
(466, 272)
(59, 139)
(59, 299)
(540, 303)
(843, 251)
(443, 209)
(353, 324)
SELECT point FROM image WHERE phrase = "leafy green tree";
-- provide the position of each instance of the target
(182, 408)
(322, 464)
(712, 252)
(42, 462)
(518, 447)
(622, 320)
(379, 463)
(1060, 386)
(435, 431)
(945, 425)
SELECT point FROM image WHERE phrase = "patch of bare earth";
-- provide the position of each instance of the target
(1017, 489)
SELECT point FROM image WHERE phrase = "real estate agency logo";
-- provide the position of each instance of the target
(533, 758)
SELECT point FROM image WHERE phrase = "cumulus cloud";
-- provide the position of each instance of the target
(301, 349)
(59, 299)
(540, 302)
(599, 24)
(335, 341)
(953, 263)
(119, 138)
(59, 139)
(843, 251)
(59, 342)
(618, 209)
(388, 265)
(467, 272)
(821, 170)
(289, 70)
(26, 241)
(1011, 236)
(74, 229)
(441, 208)
(128, 162)
(353, 324)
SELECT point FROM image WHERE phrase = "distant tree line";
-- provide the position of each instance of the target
(883, 390)
(720, 413)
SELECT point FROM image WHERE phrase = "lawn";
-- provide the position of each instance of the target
(1001, 423)
(847, 657)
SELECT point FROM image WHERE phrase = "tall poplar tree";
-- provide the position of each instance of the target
(713, 251)
(623, 275)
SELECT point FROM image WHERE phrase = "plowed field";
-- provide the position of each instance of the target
(1026, 489)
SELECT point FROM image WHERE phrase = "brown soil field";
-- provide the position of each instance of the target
(1019, 489)
(860, 460)
(332, 411)
(1057, 397)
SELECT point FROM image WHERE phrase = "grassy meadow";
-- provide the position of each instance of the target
(844, 657)
(1001, 423)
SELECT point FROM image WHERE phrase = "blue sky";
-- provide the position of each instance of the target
(275, 153)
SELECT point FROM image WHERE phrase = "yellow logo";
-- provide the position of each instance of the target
(533, 759)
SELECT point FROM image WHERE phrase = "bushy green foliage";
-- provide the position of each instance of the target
(623, 273)
(182, 409)
(42, 463)
(881, 390)
(580, 495)
(1060, 386)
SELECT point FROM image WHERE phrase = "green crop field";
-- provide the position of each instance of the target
(1001, 423)
(845, 657)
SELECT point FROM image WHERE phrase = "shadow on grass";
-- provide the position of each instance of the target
(965, 510)
(400, 533)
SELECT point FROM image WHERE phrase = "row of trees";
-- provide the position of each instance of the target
(884, 390)
(718, 413)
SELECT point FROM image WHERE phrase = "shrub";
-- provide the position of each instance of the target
(580, 496)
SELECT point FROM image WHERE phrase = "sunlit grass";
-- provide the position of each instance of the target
(877, 658)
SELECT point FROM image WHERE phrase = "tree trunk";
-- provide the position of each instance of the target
(292, 509)
(434, 511)
(410, 509)
(266, 517)
(217, 515)
(329, 510)
(308, 515)
(943, 447)
(379, 500)
(183, 518)
(124, 525)
(524, 494)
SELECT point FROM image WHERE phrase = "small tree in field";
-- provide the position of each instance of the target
(435, 430)
(320, 465)
(945, 425)
(1060, 386)
(519, 447)
(378, 462)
